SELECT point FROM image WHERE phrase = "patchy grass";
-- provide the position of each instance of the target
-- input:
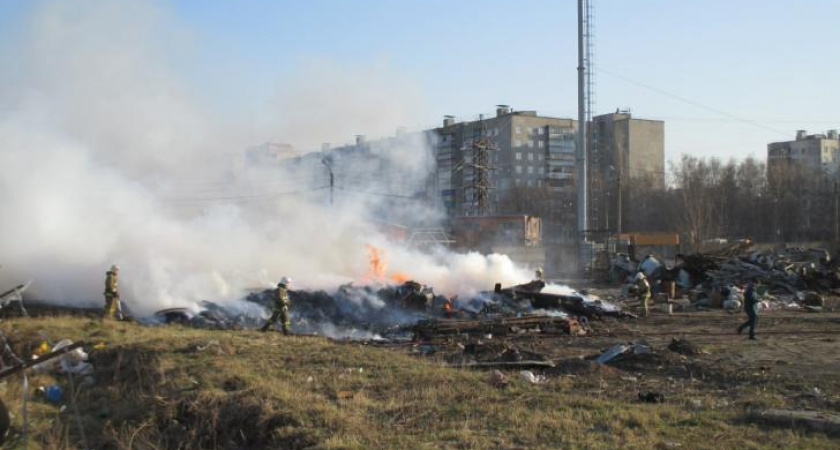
(173, 387)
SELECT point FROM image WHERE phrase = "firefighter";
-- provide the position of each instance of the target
(539, 274)
(751, 308)
(113, 308)
(280, 309)
(643, 291)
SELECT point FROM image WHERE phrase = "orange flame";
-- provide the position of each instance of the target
(399, 277)
(378, 264)
(378, 267)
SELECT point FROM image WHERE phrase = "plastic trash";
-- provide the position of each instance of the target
(42, 349)
(732, 305)
(53, 394)
(74, 362)
(529, 376)
(611, 353)
(650, 265)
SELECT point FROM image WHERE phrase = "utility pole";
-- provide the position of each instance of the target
(836, 213)
(618, 183)
(332, 178)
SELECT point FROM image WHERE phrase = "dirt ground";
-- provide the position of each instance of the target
(179, 387)
(793, 363)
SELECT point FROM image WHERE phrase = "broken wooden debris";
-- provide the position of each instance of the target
(505, 364)
(500, 326)
(35, 362)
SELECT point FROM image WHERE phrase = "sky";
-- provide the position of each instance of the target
(727, 77)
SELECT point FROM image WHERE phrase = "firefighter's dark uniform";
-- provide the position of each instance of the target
(113, 309)
(751, 308)
(280, 310)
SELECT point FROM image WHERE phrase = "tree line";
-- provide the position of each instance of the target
(707, 199)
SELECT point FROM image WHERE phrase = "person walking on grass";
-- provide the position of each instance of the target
(280, 308)
(751, 308)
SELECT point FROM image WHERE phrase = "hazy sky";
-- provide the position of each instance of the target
(727, 76)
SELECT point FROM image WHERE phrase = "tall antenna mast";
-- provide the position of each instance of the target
(583, 86)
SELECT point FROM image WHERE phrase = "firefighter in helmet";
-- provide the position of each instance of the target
(280, 308)
(113, 308)
(643, 291)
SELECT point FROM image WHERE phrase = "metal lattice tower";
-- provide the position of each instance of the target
(479, 166)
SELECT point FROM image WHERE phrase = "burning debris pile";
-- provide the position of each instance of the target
(789, 276)
(408, 310)
(387, 305)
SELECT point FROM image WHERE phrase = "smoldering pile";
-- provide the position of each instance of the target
(405, 310)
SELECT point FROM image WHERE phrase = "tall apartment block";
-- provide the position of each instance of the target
(527, 151)
(624, 151)
(814, 157)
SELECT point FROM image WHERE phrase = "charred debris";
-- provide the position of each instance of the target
(409, 311)
(785, 277)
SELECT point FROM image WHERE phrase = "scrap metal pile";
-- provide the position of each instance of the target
(788, 275)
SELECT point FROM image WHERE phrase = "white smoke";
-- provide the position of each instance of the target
(108, 156)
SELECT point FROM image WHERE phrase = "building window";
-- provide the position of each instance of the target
(530, 169)
(530, 156)
(530, 144)
(542, 170)
(539, 144)
(540, 156)
(518, 156)
(496, 131)
(518, 169)
(539, 183)
(517, 143)
(518, 182)
(530, 183)
(537, 130)
(518, 130)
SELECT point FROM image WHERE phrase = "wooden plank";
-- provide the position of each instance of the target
(505, 365)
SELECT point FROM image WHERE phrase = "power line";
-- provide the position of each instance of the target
(722, 119)
(242, 198)
(379, 194)
(692, 102)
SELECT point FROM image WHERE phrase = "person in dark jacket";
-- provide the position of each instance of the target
(751, 308)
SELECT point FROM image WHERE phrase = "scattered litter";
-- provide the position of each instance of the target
(498, 379)
(52, 393)
(613, 352)
(529, 376)
(42, 349)
(201, 348)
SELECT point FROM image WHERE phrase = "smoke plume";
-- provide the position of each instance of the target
(108, 155)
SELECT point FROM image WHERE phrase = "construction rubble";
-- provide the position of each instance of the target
(784, 278)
